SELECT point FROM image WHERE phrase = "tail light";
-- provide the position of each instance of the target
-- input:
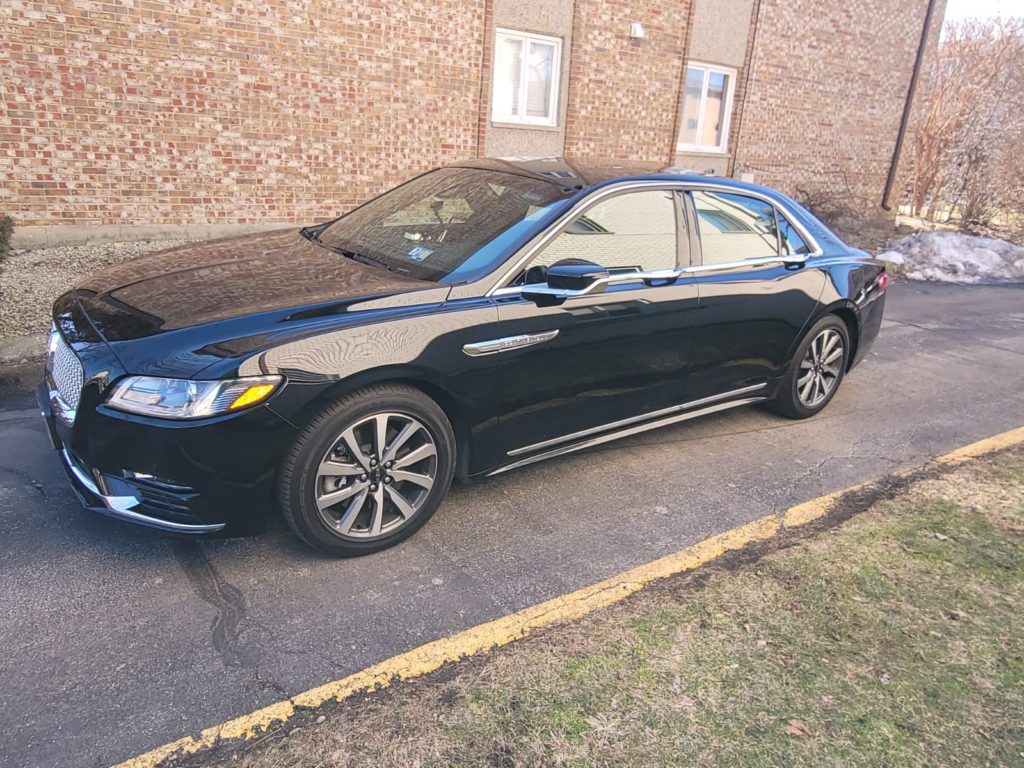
(882, 281)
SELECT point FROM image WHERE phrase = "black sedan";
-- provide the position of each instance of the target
(477, 318)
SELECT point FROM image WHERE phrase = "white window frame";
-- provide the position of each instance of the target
(556, 72)
(723, 147)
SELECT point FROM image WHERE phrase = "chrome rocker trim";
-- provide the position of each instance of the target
(671, 416)
(121, 506)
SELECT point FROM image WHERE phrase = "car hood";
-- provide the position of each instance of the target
(213, 281)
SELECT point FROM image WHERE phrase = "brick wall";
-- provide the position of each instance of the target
(624, 93)
(213, 112)
(825, 93)
(247, 112)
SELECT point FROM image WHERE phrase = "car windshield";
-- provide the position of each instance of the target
(450, 225)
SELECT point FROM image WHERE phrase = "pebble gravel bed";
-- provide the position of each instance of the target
(31, 280)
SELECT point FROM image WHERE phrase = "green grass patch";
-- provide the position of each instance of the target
(895, 639)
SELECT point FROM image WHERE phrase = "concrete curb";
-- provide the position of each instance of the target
(22, 377)
(28, 238)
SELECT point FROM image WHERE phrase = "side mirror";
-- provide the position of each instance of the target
(575, 275)
(565, 278)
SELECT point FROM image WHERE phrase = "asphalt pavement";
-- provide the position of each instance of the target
(117, 639)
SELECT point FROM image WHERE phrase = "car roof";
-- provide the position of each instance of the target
(580, 175)
(586, 173)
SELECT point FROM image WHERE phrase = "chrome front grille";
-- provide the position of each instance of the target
(65, 371)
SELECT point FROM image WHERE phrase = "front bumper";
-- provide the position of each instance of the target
(187, 478)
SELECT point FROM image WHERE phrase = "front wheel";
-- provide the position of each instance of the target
(368, 471)
(817, 370)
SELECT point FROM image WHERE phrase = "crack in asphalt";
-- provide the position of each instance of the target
(27, 479)
(224, 596)
(784, 499)
(945, 330)
(232, 619)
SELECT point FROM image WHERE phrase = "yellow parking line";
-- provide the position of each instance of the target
(574, 605)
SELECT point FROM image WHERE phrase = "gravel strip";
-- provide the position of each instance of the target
(31, 280)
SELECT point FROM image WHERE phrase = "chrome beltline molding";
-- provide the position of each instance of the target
(636, 419)
(609, 437)
(507, 343)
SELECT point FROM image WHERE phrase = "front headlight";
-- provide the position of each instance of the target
(188, 399)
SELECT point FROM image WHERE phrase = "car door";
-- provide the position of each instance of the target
(590, 361)
(758, 289)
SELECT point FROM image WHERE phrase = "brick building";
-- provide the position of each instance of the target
(137, 117)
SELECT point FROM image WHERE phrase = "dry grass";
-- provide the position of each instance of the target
(895, 639)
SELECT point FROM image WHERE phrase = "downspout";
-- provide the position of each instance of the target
(908, 105)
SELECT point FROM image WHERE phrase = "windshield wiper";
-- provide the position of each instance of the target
(311, 233)
(362, 258)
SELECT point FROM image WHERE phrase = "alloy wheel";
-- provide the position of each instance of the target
(376, 476)
(820, 368)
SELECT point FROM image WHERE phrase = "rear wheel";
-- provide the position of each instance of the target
(368, 471)
(817, 370)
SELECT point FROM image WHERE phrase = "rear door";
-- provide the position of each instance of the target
(591, 361)
(758, 287)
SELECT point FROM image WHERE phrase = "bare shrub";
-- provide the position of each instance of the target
(965, 164)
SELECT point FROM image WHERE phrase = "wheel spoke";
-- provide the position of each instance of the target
(344, 524)
(833, 356)
(378, 512)
(416, 454)
(349, 437)
(405, 509)
(832, 370)
(380, 434)
(326, 500)
(401, 439)
(828, 343)
(805, 393)
(424, 481)
(329, 468)
(807, 363)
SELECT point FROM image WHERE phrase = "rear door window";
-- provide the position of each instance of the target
(789, 238)
(735, 227)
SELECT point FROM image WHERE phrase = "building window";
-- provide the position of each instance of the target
(525, 88)
(707, 108)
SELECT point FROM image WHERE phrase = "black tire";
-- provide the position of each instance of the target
(301, 483)
(788, 401)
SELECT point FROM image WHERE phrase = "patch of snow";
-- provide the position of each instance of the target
(954, 257)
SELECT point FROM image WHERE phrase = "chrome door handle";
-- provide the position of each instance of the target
(507, 343)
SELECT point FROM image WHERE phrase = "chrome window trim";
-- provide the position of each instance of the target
(567, 217)
(780, 208)
(635, 419)
(501, 287)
